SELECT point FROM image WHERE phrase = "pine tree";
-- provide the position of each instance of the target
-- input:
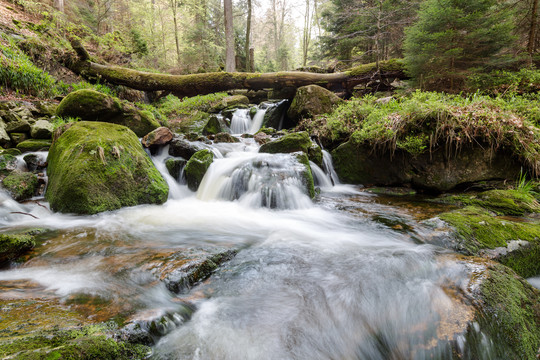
(453, 37)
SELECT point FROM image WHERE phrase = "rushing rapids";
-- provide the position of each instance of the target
(310, 280)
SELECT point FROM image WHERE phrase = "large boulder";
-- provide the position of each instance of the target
(196, 167)
(312, 100)
(91, 105)
(437, 170)
(289, 143)
(95, 166)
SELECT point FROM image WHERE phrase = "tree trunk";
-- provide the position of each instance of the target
(59, 5)
(532, 28)
(200, 84)
(174, 6)
(248, 32)
(307, 35)
(229, 37)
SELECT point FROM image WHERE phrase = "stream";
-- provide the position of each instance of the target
(311, 279)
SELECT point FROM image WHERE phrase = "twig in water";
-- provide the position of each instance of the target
(23, 213)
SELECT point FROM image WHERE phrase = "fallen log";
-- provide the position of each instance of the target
(206, 83)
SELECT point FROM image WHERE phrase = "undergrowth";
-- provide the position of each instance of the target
(425, 120)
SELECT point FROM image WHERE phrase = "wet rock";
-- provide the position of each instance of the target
(230, 102)
(312, 100)
(439, 170)
(183, 278)
(15, 124)
(34, 145)
(225, 138)
(8, 164)
(17, 138)
(307, 176)
(174, 167)
(91, 105)
(13, 246)
(196, 167)
(4, 137)
(42, 129)
(289, 143)
(261, 138)
(183, 148)
(479, 232)
(315, 155)
(276, 115)
(95, 166)
(21, 185)
(160, 136)
(214, 126)
(194, 123)
(32, 161)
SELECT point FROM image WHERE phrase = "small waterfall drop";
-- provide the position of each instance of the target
(329, 167)
(256, 180)
(242, 123)
(319, 177)
(177, 190)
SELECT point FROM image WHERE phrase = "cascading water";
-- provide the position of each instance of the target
(242, 122)
(309, 281)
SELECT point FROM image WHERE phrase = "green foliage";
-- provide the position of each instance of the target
(452, 37)
(86, 85)
(426, 119)
(506, 82)
(18, 73)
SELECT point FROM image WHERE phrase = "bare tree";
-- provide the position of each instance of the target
(174, 6)
(306, 38)
(59, 5)
(248, 33)
(229, 37)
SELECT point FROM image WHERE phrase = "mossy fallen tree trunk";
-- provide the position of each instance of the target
(206, 83)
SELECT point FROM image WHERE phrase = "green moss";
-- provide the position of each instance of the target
(96, 167)
(388, 65)
(307, 176)
(312, 100)
(514, 308)
(299, 141)
(212, 127)
(8, 163)
(197, 166)
(480, 230)
(524, 260)
(12, 151)
(21, 185)
(315, 155)
(12, 246)
(34, 145)
(90, 342)
(194, 123)
(502, 202)
(92, 105)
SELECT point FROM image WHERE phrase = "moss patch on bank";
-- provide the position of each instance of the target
(501, 202)
(425, 120)
(13, 246)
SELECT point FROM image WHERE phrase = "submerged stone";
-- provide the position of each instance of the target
(95, 166)
(196, 167)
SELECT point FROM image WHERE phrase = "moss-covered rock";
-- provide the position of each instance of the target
(512, 309)
(17, 137)
(91, 105)
(11, 151)
(357, 162)
(13, 246)
(502, 202)
(275, 115)
(307, 176)
(8, 164)
(514, 243)
(230, 102)
(196, 167)
(21, 185)
(194, 123)
(95, 166)
(315, 155)
(41, 129)
(174, 166)
(225, 138)
(34, 145)
(213, 126)
(289, 143)
(4, 137)
(312, 100)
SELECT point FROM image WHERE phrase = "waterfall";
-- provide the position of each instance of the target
(242, 123)
(256, 180)
(177, 189)
(329, 167)
(320, 178)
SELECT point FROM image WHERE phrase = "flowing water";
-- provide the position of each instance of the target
(312, 279)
